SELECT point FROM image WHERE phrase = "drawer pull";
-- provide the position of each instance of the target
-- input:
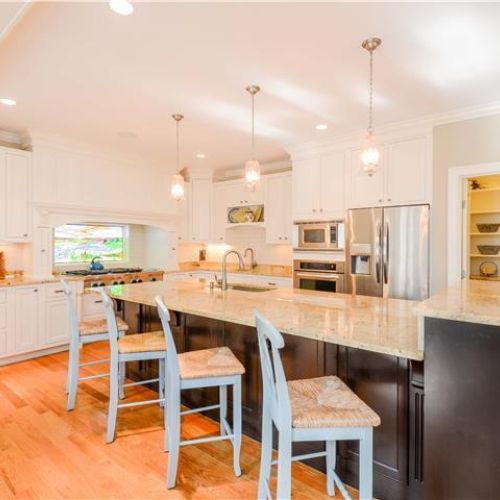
(58, 291)
(97, 301)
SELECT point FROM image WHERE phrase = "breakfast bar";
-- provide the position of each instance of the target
(372, 343)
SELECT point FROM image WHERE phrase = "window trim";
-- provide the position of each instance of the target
(83, 265)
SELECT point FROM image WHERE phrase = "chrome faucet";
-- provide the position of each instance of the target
(224, 266)
(252, 254)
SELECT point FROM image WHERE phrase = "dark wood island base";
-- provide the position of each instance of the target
(392, 386)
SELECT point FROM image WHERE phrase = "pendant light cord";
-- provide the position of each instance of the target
(370, 105)
(253, 127)
(177, 144)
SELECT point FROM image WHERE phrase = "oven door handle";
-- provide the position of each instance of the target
(323, 276)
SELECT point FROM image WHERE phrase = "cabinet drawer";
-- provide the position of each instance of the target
(92, 307)
(3, 296)
(54, 291)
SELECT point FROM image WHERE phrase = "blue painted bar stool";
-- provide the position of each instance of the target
(136, 347)
(82, 333)
(317, 409)
(217, 367)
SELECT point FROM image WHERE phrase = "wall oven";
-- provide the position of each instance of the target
(321, 276)
(319, 236)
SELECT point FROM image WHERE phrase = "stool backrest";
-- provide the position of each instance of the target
(275, 388)
(172, 361)
(73, 315)
(109, 309)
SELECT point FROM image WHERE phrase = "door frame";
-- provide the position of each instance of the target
(456, 176)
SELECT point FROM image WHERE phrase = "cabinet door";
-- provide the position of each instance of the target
(305, 185)
(56, 322)
(220, 205)
(17, 196)
(183, 212)
(201, 201)
(366, 190)
(332, 186)
(406, 171)
(277, 215)
(27, 318)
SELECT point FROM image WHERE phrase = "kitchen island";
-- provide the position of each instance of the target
(462, 400)
(372, 343)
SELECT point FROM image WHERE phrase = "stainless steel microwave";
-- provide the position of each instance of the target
(319, 236)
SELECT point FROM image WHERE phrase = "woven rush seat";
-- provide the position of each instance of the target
(216, 362)
(328, 402)
(97, 326)
(142, 342)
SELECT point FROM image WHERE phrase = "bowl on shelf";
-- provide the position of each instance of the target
(488, 269)
(487, 228)
(488, 249)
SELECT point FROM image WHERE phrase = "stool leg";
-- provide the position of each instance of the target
(330, 467)
(74, 374)
(122, 371)
(366, 465)
(284, 465)
(174, 433)
(161, 381)
(266, 453)
(223, 408)
(113, 399)
(70, 361)
(237, 426)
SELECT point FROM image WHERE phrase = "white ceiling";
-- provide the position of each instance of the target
(81, 71)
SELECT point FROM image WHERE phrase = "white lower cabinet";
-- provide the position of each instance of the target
(27, 318)
(33, 318)
(92, 307)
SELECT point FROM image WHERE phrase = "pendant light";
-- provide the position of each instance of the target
(252, 167)
(177, 185)
(370, 153)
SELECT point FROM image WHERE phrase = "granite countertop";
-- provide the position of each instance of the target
(375, 324)
(472, 301)
(19, 280)
(277, 271)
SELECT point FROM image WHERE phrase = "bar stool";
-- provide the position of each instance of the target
(317, 409)
(136, 347)
(81, 333)
(196, 370)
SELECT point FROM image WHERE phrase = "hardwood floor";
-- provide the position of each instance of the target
(46, 452)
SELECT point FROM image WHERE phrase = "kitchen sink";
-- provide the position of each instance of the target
(250, 288)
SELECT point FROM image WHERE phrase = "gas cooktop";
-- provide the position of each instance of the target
(116, 270)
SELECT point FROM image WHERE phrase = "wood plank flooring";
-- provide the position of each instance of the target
(47, 452)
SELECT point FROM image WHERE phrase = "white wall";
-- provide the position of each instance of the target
(240, 238)
(467, 142)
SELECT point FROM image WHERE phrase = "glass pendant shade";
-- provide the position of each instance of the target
(252, 174)
(177, 187)
(370, 154)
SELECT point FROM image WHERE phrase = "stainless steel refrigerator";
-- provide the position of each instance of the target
(387, 252)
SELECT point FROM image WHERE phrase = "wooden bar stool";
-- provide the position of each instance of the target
(196, 370)
(81, 333)
(136, 347)
(317, 409)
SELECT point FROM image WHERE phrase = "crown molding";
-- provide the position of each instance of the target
(420, 125)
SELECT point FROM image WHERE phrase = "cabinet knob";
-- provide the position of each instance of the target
(279, 238)
(286, 237)
(380, 201)
(42, 250)
(25, 235)
(321, 210)
(389, 199)
(35, 290)
(314, 210)
(179, 238)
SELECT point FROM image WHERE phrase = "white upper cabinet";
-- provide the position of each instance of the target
(240, 195)
(183, 207)
(402, 178)
(319, 187)
(200, 208)
(15, 195)
(366, 190)
(278, 209)
(407, 172)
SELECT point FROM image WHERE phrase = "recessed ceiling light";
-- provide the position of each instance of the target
(200, 155)
(122, 7)
(127, 135)
(321, 126)
(7, 101)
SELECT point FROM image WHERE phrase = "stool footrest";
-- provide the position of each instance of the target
(227, 427)
(140, 382)
(91, 363)
(88, 377)
(340, 486)
(306, 456)
(199, 410)
(205, 440)
(141, 403)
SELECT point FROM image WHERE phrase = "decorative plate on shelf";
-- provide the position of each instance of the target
(488, 269)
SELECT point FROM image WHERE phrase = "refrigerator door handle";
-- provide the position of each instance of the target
(386, 251)
(378, 253)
